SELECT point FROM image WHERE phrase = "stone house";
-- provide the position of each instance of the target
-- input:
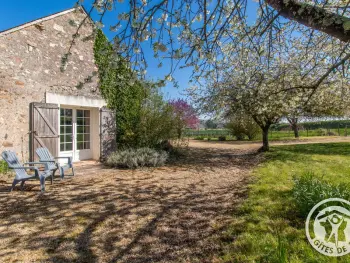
(46, 99)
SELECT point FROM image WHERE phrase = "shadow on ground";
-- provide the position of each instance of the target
(176, 213)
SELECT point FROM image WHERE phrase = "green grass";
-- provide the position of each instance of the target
(273, 135)
(268, 227)
(4, 169)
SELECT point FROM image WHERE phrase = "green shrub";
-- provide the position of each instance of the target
(242, 125)
(134, 158)
(321, 132)
(222, 138)
(200, 138)
(143, 118)
(309, 190)
(4, 168)
(334, 124)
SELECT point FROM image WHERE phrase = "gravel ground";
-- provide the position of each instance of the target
(176, 213)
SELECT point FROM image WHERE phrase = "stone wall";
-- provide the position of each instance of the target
(31, 64)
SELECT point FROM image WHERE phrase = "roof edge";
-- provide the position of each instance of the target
(45, 18)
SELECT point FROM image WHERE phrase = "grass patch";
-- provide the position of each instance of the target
(271, 226)
(4, 168)
(309, 190)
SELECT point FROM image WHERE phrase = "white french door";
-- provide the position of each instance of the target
(75, 133)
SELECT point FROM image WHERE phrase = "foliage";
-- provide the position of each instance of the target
(201, 138)
(312, 125)
(270, 84)
(222, 138)
(143, 118)
(210, 124)
(242, 125)
(135, 158)
(119, 88)
(185, 116)
(156, 122)
(4, 168)
(269, 212)
(195, 32)
(309, 190)
(321, 132)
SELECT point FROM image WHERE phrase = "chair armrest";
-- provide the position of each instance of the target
(42, 163)
(29, 168)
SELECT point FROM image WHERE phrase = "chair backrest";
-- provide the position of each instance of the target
(13, 162)
(45, 155)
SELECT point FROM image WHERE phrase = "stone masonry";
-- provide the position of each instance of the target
(31, 64)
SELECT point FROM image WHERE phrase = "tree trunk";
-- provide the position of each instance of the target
(314, 17)
(296, 131)
(293, 121)
(265, 134)
(179, 133)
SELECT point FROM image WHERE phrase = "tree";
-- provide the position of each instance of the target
(241, 124)
(327, 17)
(331, 101)
(143, 118)
(193, 32)
(185, 116)
(268, 84)
(293, 121)
(157, 122)
(210, 124)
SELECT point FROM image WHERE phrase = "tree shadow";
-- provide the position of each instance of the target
(176, 213)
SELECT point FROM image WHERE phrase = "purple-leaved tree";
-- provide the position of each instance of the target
(185, 114)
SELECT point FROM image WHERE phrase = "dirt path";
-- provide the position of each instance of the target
(171, 214)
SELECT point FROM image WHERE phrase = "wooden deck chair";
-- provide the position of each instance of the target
(21, 174)
(45, 156)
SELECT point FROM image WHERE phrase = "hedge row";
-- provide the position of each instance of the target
(335, 124)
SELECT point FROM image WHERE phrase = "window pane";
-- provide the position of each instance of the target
(62, 111)
(80, 121)
(80, 145)
(80, 137)
(68, 138)
(80, 129)
(69, 146)
(86, 129)
(62, 147)
(62, 138)
(62, 120)
(86, 113)
(68, 112)
(69, 129)
(80, 113)
(86, 145)
(68, 120)
(87, 121)
(62, 129)
(87, 137)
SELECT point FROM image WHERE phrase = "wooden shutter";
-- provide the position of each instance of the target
(43, 128)
(107, 132)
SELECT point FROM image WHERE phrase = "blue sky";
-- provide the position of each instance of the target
(14, 13)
